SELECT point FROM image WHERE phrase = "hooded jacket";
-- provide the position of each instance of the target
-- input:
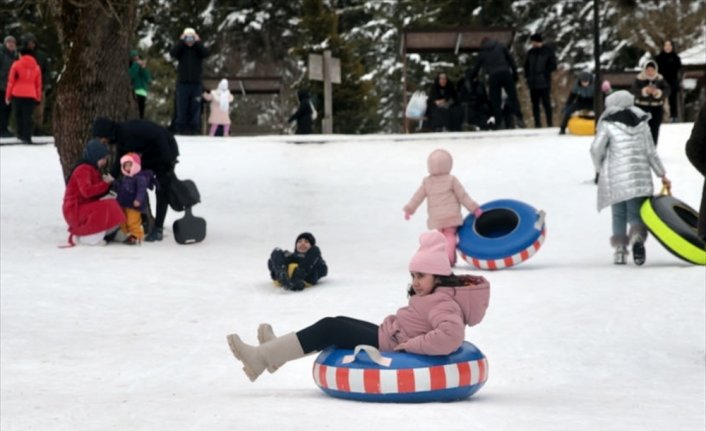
(216, 113)
(444, 193)
(623, 152)
(435, 324)
(642, 81)
(24, 79)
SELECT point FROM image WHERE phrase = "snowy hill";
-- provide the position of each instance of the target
(122, 337)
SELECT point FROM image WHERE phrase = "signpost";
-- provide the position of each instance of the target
(327, 69)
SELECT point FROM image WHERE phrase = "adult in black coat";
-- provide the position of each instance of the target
(190, 52)
(440, 103)
(8, 55)
(303, 114)
(539, 65)
(669, 65)
(159, 152)
(474, 103)
(696, 152)
(495, 59)
(580, 98)
(650, 90)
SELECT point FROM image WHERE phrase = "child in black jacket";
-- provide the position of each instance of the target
(295, 270)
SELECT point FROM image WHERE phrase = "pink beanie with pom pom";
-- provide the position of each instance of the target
(431, 258)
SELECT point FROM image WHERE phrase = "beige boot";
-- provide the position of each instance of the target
(265, 333)
(273, 353)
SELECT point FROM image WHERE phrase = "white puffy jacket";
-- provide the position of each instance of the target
(623, 153)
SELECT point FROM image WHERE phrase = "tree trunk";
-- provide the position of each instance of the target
(95, 38)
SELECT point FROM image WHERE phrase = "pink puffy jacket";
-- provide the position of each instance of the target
(444, 193)
(435, 324)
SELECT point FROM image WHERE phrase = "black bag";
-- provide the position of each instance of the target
(189, 229)
(182, 193)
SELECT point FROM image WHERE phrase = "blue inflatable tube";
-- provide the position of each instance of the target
(404, 378)
(506, 234)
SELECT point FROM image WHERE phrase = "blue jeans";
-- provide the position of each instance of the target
(188, 107)
(626, 212)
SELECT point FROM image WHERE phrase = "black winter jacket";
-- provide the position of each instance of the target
(6, 60)
(303, 114)
(190, 59)
(669, 66)
(494, 57)
(539, 65)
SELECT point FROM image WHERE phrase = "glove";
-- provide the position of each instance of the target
(407, 216)
(478, 212)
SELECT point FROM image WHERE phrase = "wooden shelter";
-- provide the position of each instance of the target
(452, 41)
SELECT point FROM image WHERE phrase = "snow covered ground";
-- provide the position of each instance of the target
(133, 338)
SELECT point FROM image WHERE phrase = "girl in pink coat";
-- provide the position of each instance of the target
(220, 99)
(445, 195)
(434, 321)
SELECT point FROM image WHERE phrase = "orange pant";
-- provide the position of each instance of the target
(133, 223)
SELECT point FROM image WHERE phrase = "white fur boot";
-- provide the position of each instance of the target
(273, 353)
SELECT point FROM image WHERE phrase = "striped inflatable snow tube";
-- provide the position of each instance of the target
(507, 233)
(673, 223)
(364, 374)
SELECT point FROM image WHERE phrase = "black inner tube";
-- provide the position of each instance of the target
(686, 215)
(496, 223)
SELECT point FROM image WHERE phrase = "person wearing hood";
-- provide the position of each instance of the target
(158, 150)
(140, 77)
(539, 65)
(8, 55)
(650, 90)
(219, 115)
(190, 52)
(305, 113)
(580, 98)
(441, 305)
(624, 157)
(445, 195)
(495, 59)
(29, 40)
(90, 217)
(24, 91)
(298, 269)
(670, 67)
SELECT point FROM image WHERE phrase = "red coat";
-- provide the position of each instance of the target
(24, 79)
(83, 209)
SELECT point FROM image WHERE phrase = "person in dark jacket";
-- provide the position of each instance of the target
(295, 270)
(303, 116)
(539, 65)
(440, 103)
(650, 90)
(8, 55)
(669, 65)
(190, 52)
(474, 103)
(29, 40)
(696, 152)
(495, 59)
(157, 148)
(580, 98)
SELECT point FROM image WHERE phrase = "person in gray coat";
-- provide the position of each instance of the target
(623, 154)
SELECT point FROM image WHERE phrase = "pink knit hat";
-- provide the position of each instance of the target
(431, 258)
(136, 164)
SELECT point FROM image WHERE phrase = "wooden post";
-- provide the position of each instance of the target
(405, 122)
(327, 121)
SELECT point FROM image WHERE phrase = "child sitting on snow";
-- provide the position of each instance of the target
(132, 195)
(303, 267)
(220, 108)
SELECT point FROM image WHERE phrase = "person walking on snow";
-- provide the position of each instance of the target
(445, 195)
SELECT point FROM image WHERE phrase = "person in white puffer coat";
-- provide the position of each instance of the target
(623, 153)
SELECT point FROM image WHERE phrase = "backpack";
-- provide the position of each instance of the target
(182, 193)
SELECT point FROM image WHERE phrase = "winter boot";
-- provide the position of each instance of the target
(620, 242)
(274, 353)
(155, 235)
(638, 235)
(265, 333)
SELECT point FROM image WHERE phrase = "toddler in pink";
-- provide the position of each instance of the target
(220, 99)
(445, 195)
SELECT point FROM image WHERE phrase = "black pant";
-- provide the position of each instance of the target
(162, 194)
(673, 99)
(343, 332)
(541, 95)
(656, 121)
(141, 100)
(188, 104)
(24, 108)
(497, 82)
(5, 111)
(576, 106)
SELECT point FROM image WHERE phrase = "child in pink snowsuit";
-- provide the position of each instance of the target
(445, 195)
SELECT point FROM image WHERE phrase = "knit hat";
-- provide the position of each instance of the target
(620, 99)
(188, 31)
(431, 258)
(136, 164)
(536, 37)
(103, 128)
(134, 53)
(94, 151)
(307, 236)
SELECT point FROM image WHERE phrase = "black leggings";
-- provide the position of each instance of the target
(341, 331)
